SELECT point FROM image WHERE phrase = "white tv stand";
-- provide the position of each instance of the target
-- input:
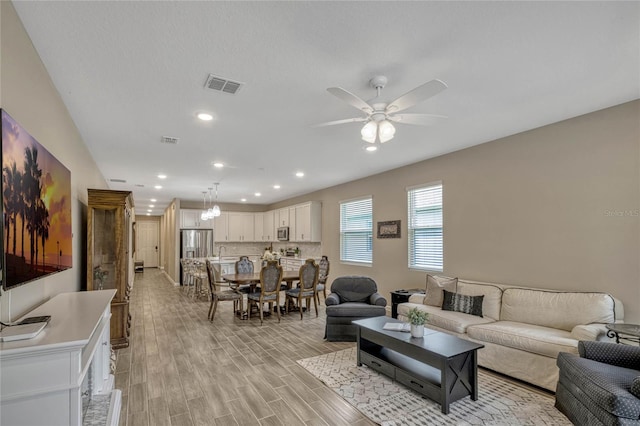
(51, 378)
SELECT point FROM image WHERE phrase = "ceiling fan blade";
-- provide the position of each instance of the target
(417, 95)
(346, 120)
(419, 119)
(350, 98)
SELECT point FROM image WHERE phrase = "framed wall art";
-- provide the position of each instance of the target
(389, 229)
(36, 202)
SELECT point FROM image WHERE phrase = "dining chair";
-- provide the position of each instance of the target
(306, 288)
(244, 266)
(270, 279)
(322, 278)
(217, 292)
(199, 273)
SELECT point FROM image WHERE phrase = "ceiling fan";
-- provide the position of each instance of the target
(380, 115)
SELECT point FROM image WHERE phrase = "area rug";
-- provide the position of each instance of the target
(387, 403)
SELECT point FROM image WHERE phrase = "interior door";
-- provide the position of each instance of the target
(147, 249)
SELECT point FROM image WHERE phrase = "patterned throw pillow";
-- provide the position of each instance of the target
(635, 387)
(435, 285)
(462, 303)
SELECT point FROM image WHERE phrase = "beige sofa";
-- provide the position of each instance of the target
(524, 329)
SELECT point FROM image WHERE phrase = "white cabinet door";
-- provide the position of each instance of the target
(240, 226)
(258, 227)
(269, 226)
(283, 217)
(292, 224)
(308, 222)
(220, 229)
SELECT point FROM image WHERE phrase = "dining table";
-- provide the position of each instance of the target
(253, 279)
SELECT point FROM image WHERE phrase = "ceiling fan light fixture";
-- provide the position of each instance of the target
(386, 131)
(369, 132)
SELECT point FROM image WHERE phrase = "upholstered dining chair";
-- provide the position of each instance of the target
(244, 266)
(270, 279)
(306, 289)
(322, 278)
(217, 292)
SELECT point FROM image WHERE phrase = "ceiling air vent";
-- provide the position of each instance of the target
(169, 140)
(222, 84)
(118, 180)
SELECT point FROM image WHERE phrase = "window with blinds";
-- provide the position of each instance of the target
(425, 227)
(356, 231)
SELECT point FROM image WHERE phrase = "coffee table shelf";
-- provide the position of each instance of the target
(421, 364)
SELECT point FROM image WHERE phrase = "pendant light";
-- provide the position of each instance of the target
(205, 213)
(215, 210)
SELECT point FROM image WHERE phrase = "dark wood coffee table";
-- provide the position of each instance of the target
(439, 366)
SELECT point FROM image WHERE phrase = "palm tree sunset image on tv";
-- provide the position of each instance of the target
(36, 206)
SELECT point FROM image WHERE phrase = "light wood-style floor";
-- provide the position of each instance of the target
(181, 369)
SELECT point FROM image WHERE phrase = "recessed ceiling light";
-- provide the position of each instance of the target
(161, 176)
(299, 174)
(153, 200)
(148, 214)
(244, 200)
(257, 194)
(218, 165)
(371, 148)
(204, 116)
(151, 205)
(149, 210)
(158, 187)
(276, 186)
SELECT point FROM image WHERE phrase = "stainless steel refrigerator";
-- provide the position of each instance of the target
(195, 243)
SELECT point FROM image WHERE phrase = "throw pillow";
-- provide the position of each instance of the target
(462, 303)
(435, 285)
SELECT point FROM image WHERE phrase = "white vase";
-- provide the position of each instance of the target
(417, 330)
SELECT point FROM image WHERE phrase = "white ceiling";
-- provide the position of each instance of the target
(132, 72)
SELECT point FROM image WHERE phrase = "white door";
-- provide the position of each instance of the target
(147, 250)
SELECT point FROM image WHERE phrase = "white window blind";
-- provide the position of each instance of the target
(425, 227)
(356, 231)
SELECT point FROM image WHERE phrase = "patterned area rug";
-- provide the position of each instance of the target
(389, 403)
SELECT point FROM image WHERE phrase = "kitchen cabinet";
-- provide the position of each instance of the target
(283, 217)
(220, 228)
(258, 227)
(240, 227)
(190, 219)
(292, 223)
(308, 219)
(109, 255)
(291, 263)
(269, 226)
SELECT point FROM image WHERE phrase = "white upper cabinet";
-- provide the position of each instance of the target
(283, 217)
(240, 226)
(269, 226)
(258, 227)
(220, 228)
(190, 219)
(308, 222)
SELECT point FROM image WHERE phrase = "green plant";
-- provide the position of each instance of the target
(417, 317)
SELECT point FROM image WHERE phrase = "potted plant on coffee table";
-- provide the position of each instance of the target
(417, 319)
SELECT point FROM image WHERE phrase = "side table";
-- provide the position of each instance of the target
(401, 296)
(630, 332)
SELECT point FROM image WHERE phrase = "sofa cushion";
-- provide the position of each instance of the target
(563, 310)
(435, 286)
(353, 309)
(457, 302)
(527, 337)
(447, 320)
(492, 296)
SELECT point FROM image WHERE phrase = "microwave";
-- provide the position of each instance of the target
(283, 233)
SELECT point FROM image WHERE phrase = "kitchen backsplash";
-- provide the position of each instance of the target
(235, 249)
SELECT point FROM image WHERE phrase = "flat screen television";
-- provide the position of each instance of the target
(36, 208)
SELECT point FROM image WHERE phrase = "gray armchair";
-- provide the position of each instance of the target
(601, 386)
(352, 298)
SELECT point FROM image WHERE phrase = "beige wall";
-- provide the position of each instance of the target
(28, 95)
(554, 207)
